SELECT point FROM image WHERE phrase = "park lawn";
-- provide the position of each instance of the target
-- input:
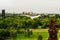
(43, 32)
(35, 35)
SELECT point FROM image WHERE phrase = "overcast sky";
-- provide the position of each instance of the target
(38, 6)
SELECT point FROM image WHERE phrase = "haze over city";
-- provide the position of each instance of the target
(36, 6)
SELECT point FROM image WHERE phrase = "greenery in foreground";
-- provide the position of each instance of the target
(15, 23)
(34, 36)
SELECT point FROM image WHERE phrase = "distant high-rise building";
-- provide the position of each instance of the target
(23, 12)
(3, 13)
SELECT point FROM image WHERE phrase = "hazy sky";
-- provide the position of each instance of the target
(38, 6)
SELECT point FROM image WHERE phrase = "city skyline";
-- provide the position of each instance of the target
(36, 6)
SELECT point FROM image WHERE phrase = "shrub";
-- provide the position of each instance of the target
(4, 34)
(39, 37)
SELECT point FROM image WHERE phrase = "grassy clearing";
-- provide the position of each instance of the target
(34, 36)
(36, 32)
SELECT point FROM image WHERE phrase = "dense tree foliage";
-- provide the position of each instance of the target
(18, 22)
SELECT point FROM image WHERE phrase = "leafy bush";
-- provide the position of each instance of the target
(4, 34)
(39, 37)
